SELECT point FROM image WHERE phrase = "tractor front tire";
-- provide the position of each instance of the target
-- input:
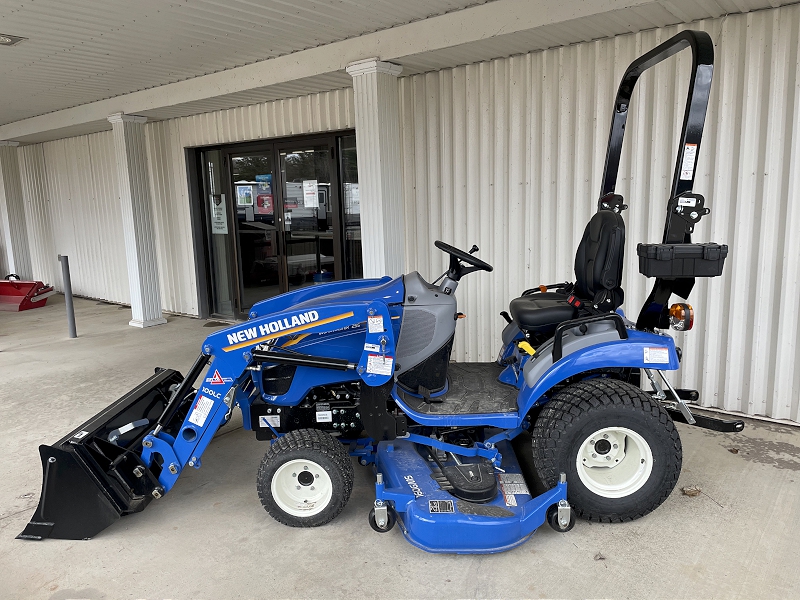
(305, 478)
(617, 445)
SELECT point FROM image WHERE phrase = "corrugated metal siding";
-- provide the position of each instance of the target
(584, 29)
(508, 154)
(71, 201)
(37, 212)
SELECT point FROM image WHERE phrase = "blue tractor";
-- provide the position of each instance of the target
(362, 368)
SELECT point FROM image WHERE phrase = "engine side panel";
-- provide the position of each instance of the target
(428, 321)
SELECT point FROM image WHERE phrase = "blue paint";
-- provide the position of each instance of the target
(457, 532)
(333, 321)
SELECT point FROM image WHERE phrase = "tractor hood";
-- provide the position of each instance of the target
(386, 289)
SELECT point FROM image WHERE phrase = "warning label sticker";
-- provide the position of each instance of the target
(375, 324)
(656, 354)
(324, 416)
(218, 379)
(689, 156)
(200, 411)
(513, 483)
(377, 364)
(441, 506)
(510, 485)
(269, 420)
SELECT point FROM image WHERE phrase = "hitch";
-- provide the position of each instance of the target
(721, 425)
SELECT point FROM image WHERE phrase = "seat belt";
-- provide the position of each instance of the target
(573, 300)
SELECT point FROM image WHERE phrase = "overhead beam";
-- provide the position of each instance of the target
(482, 22)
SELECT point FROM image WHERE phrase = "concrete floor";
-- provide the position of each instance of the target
(210, 538)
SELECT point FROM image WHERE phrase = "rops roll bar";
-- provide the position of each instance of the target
(676, 230)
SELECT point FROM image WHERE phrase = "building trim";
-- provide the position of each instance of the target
(123, 118)
(482, 22)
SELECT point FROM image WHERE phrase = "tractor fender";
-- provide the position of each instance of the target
(601, 347)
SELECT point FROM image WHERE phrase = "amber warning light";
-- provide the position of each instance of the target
(681, 317)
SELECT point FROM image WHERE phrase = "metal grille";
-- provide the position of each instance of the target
(417, 332)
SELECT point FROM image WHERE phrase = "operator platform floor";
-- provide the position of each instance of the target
(210, 538)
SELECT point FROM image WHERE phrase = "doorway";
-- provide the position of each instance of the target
(277, 216)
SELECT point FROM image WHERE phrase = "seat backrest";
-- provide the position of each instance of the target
(598, 261)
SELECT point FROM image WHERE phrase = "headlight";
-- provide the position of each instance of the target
(681, 317)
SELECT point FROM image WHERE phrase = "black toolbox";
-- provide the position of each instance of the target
(681, 260)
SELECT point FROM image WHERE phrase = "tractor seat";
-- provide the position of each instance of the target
(541, 311)
(598, 275)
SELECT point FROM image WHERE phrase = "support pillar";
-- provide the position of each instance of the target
(377, 108)
(12, 214)
(137, 219)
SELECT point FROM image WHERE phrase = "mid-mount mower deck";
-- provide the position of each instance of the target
(362, 369)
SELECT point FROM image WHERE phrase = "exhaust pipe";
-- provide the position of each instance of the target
(95, 475)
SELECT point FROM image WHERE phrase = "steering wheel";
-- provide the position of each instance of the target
(457, 270)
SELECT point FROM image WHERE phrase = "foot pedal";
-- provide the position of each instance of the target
(426, 395)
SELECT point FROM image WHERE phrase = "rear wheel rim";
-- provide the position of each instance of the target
(301, 488)
(614, 462)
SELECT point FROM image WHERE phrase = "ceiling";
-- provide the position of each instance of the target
(84, 51)
(80, 51)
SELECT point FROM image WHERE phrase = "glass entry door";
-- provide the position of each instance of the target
(310, 218)
(257, 244)
(218, 239)
(275, 219)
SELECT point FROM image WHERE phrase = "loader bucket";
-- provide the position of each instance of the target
(95, 475)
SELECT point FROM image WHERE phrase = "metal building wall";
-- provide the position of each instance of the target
(508, 154)
(71, 203)
(71, 195)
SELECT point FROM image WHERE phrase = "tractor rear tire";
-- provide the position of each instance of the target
(305, 478)
(618, 446)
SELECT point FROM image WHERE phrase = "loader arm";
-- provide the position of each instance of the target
(227, 382)
(132, 452)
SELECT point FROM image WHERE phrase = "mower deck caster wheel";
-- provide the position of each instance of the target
(553, 521)
(391, 519)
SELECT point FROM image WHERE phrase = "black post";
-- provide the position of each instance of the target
(67, 285)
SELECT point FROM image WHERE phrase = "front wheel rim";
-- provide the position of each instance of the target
(614, 462)
(301, 488)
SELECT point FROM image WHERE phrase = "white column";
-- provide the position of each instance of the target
(12, 214)
(377, 110)
(137, 219)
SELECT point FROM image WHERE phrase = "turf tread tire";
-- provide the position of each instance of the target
(570, 410)
(311, 444)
